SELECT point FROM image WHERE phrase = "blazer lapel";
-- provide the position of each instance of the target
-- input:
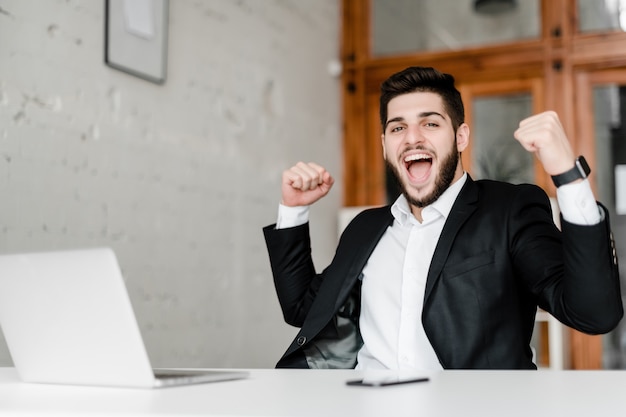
(463, 207)
(364, 240)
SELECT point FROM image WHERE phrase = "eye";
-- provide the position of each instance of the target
(396, 129)
(431, 124)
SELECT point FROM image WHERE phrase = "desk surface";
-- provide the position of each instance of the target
(270, 392)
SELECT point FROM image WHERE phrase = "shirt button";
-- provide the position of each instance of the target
(301, 340)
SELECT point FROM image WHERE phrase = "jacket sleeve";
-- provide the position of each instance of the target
(295, 279)
(593, 294)
(574, 273)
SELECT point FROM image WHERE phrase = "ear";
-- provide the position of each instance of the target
(462, 137)
(382, 141)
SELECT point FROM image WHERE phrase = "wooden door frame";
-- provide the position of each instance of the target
(561, 58)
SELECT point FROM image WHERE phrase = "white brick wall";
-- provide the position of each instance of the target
(178, 178)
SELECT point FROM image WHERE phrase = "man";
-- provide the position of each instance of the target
(451, 274)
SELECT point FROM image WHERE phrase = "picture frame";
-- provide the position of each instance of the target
(136, 34)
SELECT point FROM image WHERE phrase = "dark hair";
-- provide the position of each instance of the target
(423, 79)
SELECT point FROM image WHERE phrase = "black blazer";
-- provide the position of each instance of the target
(498, 258)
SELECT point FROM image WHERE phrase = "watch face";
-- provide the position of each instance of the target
(584, 167)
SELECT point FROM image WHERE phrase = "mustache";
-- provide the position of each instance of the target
(413, 148)
(417, 148)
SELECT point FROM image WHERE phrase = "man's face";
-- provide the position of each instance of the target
(421, 147)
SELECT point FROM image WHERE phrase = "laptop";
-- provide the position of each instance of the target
(67, 319)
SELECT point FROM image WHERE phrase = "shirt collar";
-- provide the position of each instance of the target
(442, 207)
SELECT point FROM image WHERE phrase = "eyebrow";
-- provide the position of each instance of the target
(420, 115)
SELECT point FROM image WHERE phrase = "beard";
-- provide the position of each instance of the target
(442, 181)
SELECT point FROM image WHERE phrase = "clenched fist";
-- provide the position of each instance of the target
(304, 184)
(543, 135)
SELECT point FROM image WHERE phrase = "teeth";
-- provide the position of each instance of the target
(416, 157)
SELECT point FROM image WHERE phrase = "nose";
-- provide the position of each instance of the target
(413, 134)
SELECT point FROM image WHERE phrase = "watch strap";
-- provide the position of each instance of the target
(580, 171)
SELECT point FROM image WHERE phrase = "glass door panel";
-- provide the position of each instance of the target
(409, 26)
(609, 109)
(495, 152)
(601, 15)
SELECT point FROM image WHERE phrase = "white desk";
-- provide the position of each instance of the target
(324, 393)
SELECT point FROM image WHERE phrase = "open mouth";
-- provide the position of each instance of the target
(418, 166)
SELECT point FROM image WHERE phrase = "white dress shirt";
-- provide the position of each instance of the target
(393, 284)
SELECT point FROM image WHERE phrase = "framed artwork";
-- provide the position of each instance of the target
(136, 37)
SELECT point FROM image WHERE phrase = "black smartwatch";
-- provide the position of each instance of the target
(581, 170)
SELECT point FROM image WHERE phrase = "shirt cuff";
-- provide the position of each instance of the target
(577, 203)
(291, 216)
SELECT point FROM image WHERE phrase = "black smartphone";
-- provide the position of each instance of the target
(384, 381)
